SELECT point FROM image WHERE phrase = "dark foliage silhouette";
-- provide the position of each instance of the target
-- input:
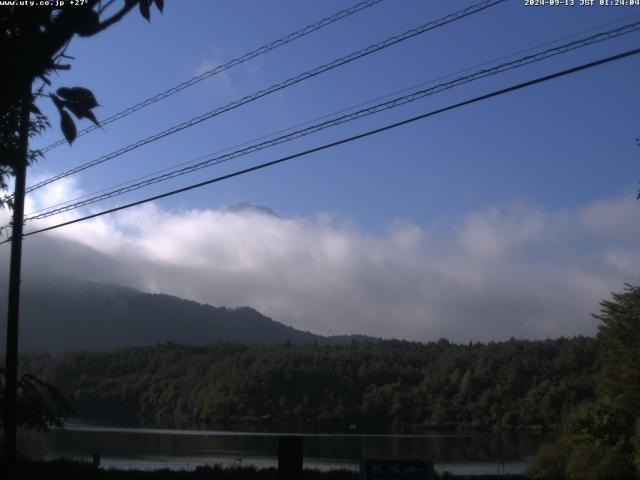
(33, 45)
(40, 405)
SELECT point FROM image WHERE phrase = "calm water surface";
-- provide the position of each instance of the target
(141, 448)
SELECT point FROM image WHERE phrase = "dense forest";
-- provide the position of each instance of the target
(600, 437)
(386, 386)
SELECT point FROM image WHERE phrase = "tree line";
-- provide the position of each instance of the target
(378, 387)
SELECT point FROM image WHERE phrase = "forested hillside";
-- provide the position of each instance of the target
(61, 314)
(390, 386)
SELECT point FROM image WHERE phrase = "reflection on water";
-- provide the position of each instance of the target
(185, 449)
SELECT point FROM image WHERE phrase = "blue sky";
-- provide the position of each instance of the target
(556, 145)
(511, 217)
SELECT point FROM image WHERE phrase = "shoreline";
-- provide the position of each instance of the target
(72, 470)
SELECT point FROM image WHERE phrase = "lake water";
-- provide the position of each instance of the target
(141, 448)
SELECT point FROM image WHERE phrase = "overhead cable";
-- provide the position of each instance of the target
(369, 133)
(380, 107)
(478, 7)
(221, 68)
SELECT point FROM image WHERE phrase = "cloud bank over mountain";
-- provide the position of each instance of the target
(493, 274)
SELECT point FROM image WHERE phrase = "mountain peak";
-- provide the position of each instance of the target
(245, 207)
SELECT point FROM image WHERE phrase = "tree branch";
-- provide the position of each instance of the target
(117, 16)
(105, 7)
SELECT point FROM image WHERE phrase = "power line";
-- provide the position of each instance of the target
(276, 87)
(394, 103)
(221, 68)
(480, 98)
(359, 105)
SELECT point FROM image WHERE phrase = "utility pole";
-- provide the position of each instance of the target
(11, 362)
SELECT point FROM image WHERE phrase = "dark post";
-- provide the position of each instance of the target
(11, 362)
(290, 453)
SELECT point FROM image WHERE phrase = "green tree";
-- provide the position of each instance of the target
(636, 445)
(40, 404)
(619, 334)
(33, 44)
(601, 438)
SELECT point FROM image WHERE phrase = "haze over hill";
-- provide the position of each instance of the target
(75, 315)
(492, 275)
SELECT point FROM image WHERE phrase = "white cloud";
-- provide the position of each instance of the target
(492, 274)
(221, 84)
(611, 218)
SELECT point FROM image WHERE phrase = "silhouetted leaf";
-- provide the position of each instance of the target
(57, 102)
(46, 32)
(144, 9)
(80, 112)
(159, 4)
(68, 127)
(34, 109)
(87, 22)
(79, 95)
(90, 115)
(77, 100)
